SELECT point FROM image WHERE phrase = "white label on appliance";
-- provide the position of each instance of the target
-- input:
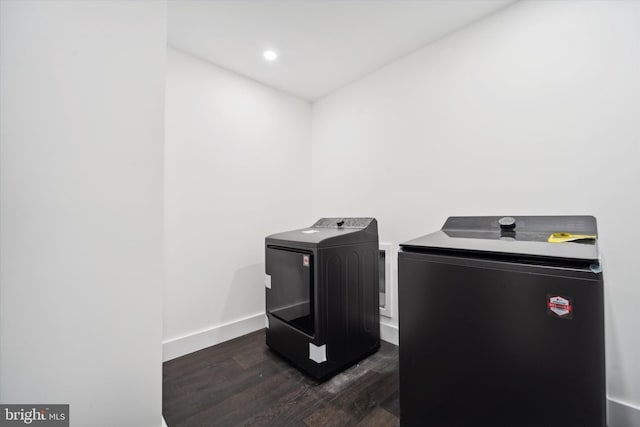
(559, 305)
(267, 281)
(318, 354)
(310, 231)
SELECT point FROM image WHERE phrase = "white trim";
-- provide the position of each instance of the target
(176, 347)
(622, 414)
(164, 423)
(389, 333)
(389, 278)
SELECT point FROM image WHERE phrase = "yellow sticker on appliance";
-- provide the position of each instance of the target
(568, 237)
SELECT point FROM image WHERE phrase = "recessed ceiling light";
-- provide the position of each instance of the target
(270, 55)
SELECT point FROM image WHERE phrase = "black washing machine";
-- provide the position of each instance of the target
(502, 324)
(322, 299)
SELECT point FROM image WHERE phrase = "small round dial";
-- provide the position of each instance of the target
(507, 222)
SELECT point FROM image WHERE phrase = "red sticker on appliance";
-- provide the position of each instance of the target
(560, 306)
(305, 260)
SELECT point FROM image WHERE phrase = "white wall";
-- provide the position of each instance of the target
(81, 131)
(237, 169)
(534, 110)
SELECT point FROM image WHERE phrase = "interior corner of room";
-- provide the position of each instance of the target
(148, 148)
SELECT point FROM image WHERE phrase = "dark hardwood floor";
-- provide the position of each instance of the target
(242, 383)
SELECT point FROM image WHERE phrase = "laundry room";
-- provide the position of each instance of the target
(319, 213)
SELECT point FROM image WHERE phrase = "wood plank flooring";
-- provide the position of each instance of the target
(242, 383)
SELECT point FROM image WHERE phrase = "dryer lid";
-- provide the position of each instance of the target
(329, 231)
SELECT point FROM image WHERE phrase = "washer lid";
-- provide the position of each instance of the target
(515, 235)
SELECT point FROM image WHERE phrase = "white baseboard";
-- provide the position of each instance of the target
(195, 341)
(186, 344)
(389, 333)
(622, 414)
(164, 423)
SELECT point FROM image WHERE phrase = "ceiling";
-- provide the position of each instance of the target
(321, 44)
